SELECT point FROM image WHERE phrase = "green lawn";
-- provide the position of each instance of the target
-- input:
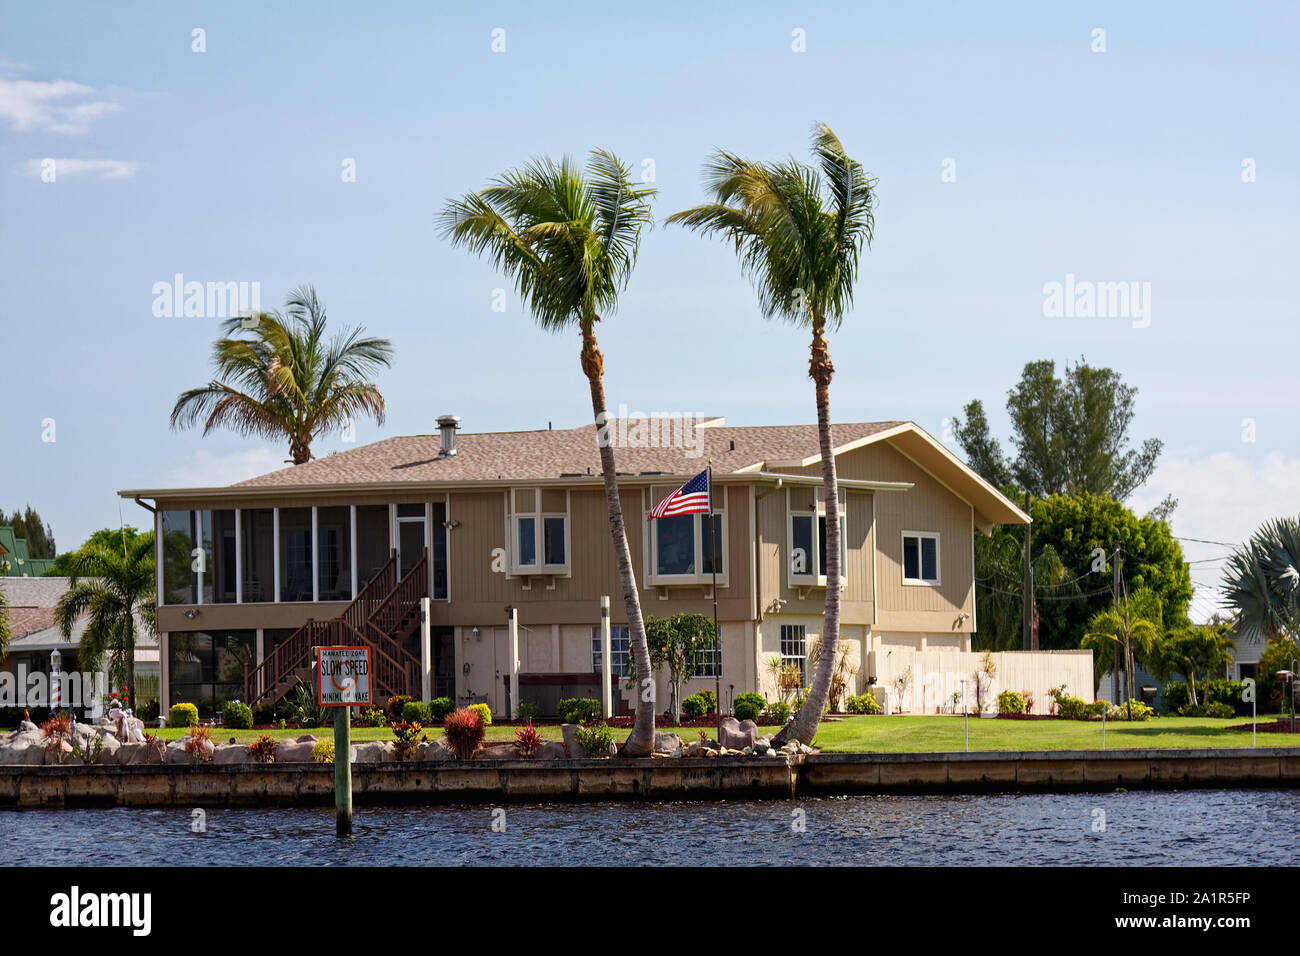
(906, 734)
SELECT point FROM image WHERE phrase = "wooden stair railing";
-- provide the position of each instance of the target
(377, 618)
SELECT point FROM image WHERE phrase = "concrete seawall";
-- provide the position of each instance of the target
(497, 781)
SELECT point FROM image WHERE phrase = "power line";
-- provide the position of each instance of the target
(1226, 544)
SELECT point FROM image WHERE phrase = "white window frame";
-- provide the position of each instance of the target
(801, 658)
(710, 668)
(938, 559)
(513, 516)
(614, 630)
(817, 578)
(654, 578)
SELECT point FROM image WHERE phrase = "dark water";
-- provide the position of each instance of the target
(1205, 827)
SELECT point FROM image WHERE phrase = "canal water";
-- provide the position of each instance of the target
(1202, 827)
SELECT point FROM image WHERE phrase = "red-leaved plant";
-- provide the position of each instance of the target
(262, 749)
(527, 740)
(195, 740)
(55, 733)
(464, 731)
(405, 743)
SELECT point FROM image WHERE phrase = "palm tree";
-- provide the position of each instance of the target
(568, 239)
(1262, 580)
(799, 233)
(286, 379)
(114, 587)
(1123, 633)
(1189, 651)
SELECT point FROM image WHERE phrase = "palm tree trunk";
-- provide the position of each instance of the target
(299, 450)
(804, 725)
(640, 743)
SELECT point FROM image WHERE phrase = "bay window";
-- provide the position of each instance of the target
(537, 523)
(688, 549)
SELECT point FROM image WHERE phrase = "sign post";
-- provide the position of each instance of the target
(343, 682)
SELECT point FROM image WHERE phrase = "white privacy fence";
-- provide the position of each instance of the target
(937, 677)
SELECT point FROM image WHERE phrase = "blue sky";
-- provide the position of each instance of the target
(225, 165)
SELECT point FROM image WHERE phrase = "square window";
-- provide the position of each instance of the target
(920, 558)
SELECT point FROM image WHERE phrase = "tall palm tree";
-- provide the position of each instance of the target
(1262, 580)
(799, 231)
(1127, 631)
(569, 238)
(286, 379)
(114, 587)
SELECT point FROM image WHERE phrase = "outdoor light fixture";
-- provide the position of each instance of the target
(192, 613)
(475, 632)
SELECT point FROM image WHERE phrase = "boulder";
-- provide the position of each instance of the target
(570, 732)
(28, 726)
(22, 747)
(61, 755)
(435, 751)
(224, 754)
(498, 750)
(550, 750)
(375, 751)
(147, 753)
(295, 751)
(666, 743)
(177, 752)
(737, 735)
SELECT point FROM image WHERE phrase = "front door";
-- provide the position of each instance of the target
(410, 539)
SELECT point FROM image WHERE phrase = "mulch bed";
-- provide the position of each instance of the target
(1276, 727)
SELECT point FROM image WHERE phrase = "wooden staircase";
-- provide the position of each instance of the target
(382, 617)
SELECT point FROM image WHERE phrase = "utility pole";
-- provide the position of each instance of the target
(1026, 640)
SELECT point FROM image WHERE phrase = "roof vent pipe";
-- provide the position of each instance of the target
(447, 435)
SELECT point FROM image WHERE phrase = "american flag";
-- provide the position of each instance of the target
(691, 498)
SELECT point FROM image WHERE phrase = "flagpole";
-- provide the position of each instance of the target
(717, 635)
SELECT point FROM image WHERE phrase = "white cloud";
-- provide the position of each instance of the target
(99, 168)
(60, 106)
(207, 469)
(1222, 497)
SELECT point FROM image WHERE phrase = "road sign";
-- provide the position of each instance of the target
(343, 676)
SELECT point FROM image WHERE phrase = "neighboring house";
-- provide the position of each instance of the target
(15, 562)
(34, 634)
(342, 549)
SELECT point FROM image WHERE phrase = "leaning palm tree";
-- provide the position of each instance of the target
(799, 233)
(1262, 580)
(568, 239)
(286, 379)
(114, 587)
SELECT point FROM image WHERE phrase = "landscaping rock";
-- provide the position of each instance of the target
(498, 750)
(570, 732)
(737, 735)
(295, 751)
(147, 753)
(65, 751)
(178, 754)
(666, 743)
(550, 750)
(435, 751)
(376, 751)
(22, 746)
(223, 754)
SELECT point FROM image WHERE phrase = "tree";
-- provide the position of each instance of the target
(1280, 654)
(999, 596)
(1262, 580)
(113, 588)
(1191, 651)
(38, 534)
(675, 643)
(1122, 634)
(1070, 436)
(799, 233)
(285, 379)
(1084, 530)
(569, 240)
(115, 539)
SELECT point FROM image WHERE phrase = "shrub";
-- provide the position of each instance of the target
(527, 740)
(749, 706)
(595, 740)
(195, 740)
(1227, 692)
(263, 714)
(694, 706)
(440, 707)
(777, 713)
(55, 732)
(1222, 711)
(262, 749)
(405, 734)
(414, 712)
(483, 711)
(528, 708)
(863, 704)
(710, 701)
(395, 705)
(1009, 702)
(1076, 708)
(149, 710)
(236, 716)
(374, 717)
(464, 731)
(1139, 710)
(182, 715)
(323, 752)
(579, 710)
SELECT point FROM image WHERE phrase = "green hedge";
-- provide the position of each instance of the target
(1226, 692)
(862, 704)
(579, 710)
(749, 706)
(414, 712)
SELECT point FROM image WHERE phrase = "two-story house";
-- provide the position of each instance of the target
(480, 523)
